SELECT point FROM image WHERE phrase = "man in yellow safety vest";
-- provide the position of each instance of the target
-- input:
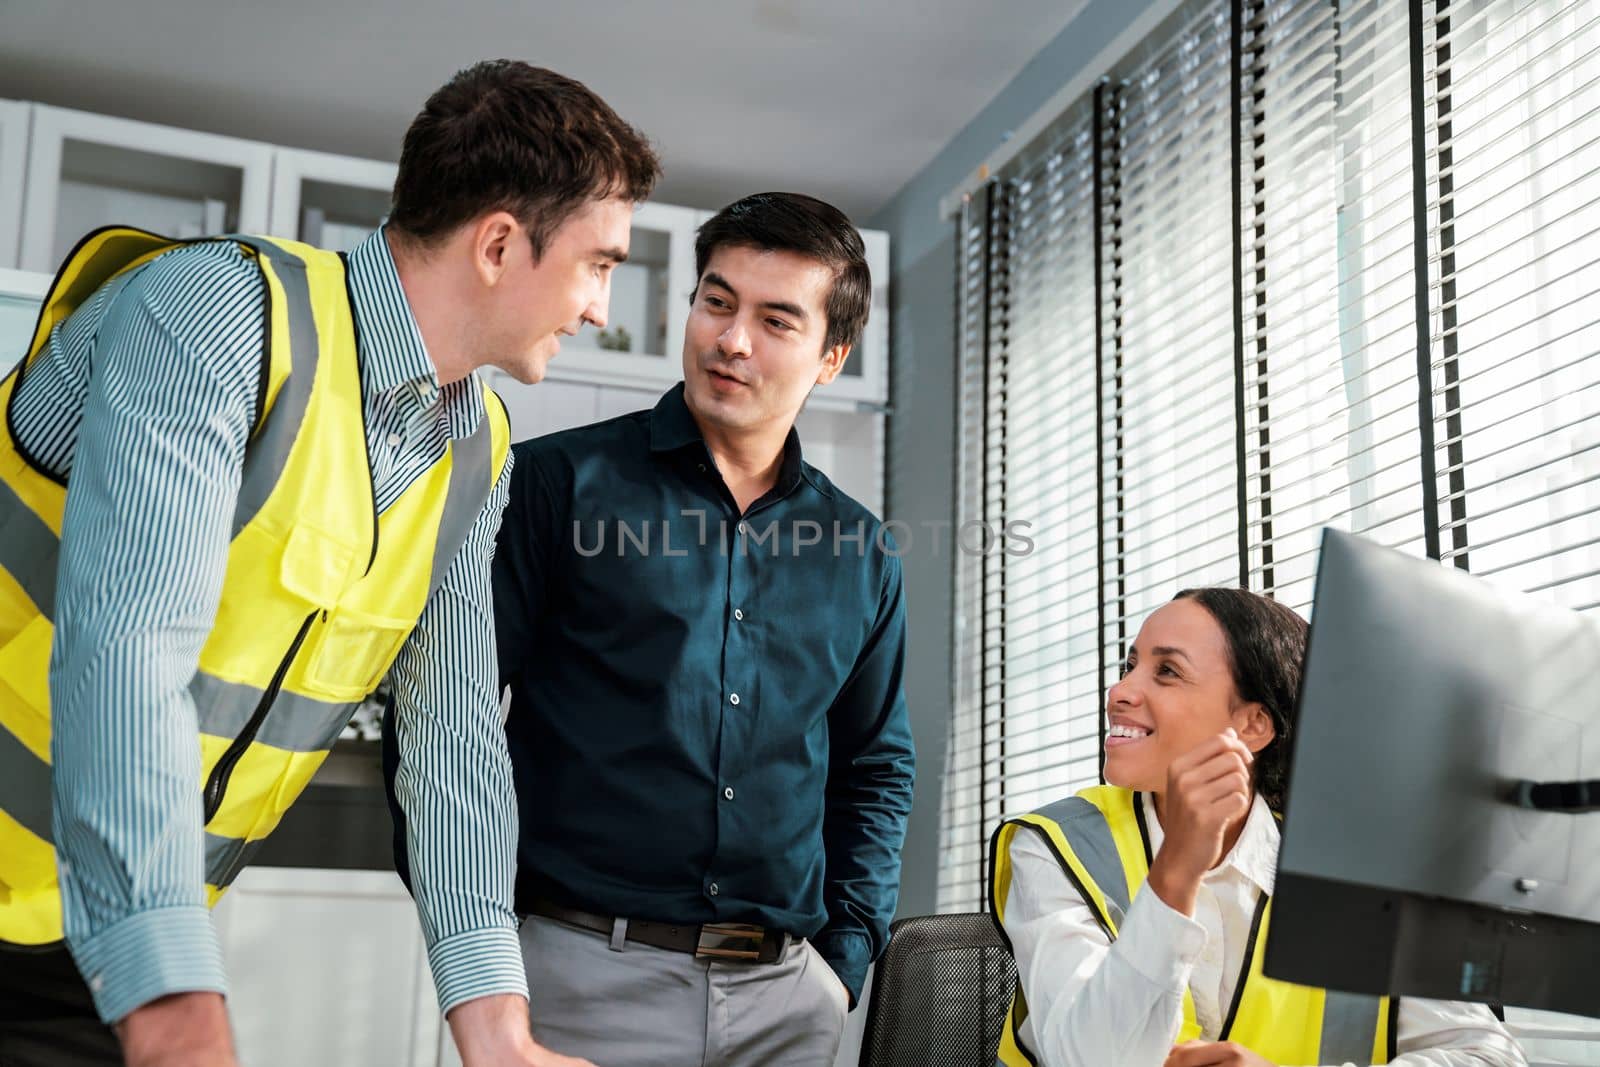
(242, 480)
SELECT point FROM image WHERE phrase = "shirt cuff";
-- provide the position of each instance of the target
(150, 954)
(477, 963)
(1160, 943)
(849, 954)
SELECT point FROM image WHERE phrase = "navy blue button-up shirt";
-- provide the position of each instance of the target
(707, 719)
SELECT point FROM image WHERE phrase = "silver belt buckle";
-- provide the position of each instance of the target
(729, 941)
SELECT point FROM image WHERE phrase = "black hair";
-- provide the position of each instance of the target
(794, 222)
(503, 135)
(1266, 652)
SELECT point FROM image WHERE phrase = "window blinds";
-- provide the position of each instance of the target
(1296, 263)
(1514, 212)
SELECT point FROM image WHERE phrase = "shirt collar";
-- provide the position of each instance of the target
(1254, 855)
(672, 427)
(389, 344)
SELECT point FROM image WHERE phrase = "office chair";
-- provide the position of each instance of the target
(940, 994)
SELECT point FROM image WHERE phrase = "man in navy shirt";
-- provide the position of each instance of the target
(705, 642)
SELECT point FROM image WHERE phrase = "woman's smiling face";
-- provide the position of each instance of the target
(1176, 690)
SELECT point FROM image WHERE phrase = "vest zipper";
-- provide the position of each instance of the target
(217, 783)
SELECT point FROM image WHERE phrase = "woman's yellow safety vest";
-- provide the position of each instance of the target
(1100, 839)
(319, 593)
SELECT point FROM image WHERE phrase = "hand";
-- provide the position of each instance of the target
(1213, 1054)
(849, 1001)
(493, 1032)
(1208, 788)
(181, 1030)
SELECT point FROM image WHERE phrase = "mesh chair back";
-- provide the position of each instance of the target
(940, 994)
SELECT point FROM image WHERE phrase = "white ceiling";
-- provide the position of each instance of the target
(845, 100)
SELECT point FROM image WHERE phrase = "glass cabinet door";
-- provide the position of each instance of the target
(86, 171)
(332, 202)
(864, 381)
(642, 342)
(14, 119)
(20, 296)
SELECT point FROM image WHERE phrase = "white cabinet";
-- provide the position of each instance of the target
(64, 173)
(21, 293)
(864, 382)
(327, 969)
(642, 343)
(14, 119)
(847, 446)
(335, 201)
(85, 171)
(326, 200)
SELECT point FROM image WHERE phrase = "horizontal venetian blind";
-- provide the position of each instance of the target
(1044, 616)
(961, 827)
(1302, 264)
(1514, 175)
(1170, 474)
(1331, 427)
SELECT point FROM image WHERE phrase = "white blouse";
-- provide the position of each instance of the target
(1092, 1003)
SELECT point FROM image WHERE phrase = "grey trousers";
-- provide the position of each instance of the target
(650, 1007)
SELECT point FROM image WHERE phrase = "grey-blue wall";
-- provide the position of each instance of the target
(921, 454)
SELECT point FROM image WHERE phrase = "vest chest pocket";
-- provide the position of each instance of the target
(350, 651)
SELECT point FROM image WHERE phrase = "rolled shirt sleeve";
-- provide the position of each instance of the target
(871, 767)
(453, 778)
(170, 405)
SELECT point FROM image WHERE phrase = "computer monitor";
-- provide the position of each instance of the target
(1434, 709)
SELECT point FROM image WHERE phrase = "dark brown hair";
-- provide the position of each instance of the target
(1266, 652)
(794, 222)
(506, 136)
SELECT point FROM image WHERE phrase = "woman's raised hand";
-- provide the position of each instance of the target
(1208, 788)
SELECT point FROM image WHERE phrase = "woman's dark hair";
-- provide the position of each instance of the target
(506, 136)
(793, 222)
(1266, 650)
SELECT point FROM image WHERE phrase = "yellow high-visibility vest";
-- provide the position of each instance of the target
(1100, 839)
(319, 593)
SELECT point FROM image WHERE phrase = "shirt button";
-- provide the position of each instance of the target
(733, 698)
(727, 793)
(712, 889)
(744, 528)
(702, 467)
(738, 615)
(394, 440)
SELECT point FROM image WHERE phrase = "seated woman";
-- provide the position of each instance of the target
(1137, 910)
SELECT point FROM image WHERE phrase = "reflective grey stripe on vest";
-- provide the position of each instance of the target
(28, 551)
(24, 785)
(1349, 1027)
(1087, 831)
(300, 723)
(25, 796)
(297, 723)
(470, 484)
(267, 455)
(227, 856)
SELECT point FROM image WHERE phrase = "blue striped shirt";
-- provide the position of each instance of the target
(154, 440)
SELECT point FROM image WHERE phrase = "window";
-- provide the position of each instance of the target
(1274, 274)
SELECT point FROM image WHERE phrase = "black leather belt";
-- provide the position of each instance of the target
(714, 941)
